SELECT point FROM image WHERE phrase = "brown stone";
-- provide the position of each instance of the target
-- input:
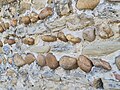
(45, 13)
(87, 4)
(10, 41)
(7, 25)
(1, 29)
(41, 60)
(89, 34)
(105, 31)
(3, 25)
(117, 62)
(14, 22)
(117, 76)
(25, 19)
(34, 17)
(84, 63)
(62, 37)
(1, 44)
(97, 83)
(18, 60)
(51, 61)
(68, 63)
(73, 39)
(29, 41)
(49, 38)
(29, 58)
(102, 63)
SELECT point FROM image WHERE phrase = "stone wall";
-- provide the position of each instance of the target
(59, 44)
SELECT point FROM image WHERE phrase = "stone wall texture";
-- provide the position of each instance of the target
(59, 44)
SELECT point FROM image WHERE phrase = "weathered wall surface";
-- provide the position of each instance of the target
(60, 44)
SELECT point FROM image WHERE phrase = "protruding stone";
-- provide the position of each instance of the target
(84, 63)
(13, 22)
(45, 13)
(1, 29)
(41, 60)
(87, 4)
(25, 19)
(29, 58)
(73, 39)
(62, 37)
(49, 38)
(10, 41)
(51, 61)
(101, 63)
(1, 44)
(68, 63)
(29, 41)
(117, 62)
(18, 60)
(89, 34)
(105, 31)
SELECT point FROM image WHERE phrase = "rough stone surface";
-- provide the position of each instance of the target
(117, 62)
(68, 63)
(18, 60)
(93, 25)
(84, 63)
(51, 61)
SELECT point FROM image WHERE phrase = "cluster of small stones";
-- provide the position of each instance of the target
(59, 44)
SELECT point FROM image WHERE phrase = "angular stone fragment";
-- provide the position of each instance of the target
(24, 6)
(18, 60)
(101, 48)
(109, 84)
(117, 62)
(6, 1)
(84, 63)
(97, 83)
(39, 4)
(40, 49)
(41, 60)
(101, 63)
(105, 31)
(68, 63)
(87, 4)
(89, 34)
(51, 61)
(117, 76)
(29, 58)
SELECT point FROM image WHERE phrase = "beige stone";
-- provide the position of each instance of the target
(117, 62)
(89, 34)
(87, 4)
(61, 36)
(29, 58)
(49, 38)
(18, 60)
(41, 60)
(51, 61)
(101, 63)
(84, 63)
(68, 63)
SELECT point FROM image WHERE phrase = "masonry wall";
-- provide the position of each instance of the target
(59, 44)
